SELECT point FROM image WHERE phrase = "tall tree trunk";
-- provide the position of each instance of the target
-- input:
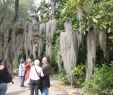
(3, 5)
(69, 49)
(16, 16)
(91, 54)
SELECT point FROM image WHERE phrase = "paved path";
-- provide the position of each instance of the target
(14, 89)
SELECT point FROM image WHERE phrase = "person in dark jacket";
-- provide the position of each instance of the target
(4, 78)
(45, 81)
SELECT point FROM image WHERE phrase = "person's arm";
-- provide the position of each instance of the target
(26, 65)
(30, 72)
(42, 74)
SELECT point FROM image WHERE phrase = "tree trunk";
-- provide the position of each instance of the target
(91, 54)
(69, 49)
(50, 29)
(16, 16)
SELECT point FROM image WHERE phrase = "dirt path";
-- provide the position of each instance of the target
(56, 88)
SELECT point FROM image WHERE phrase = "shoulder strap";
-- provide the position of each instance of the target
(21, 66)
(36, 72)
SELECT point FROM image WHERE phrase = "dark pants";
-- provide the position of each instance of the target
(34, 85)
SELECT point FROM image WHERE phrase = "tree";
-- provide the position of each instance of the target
(16, 16)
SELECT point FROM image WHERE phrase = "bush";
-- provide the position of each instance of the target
(63, 77)
(79, 75)
(102, 83)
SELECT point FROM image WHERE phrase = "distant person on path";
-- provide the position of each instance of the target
(28, 66)
(35, 74)
(45, 81)
(21, 72)
(5, 77)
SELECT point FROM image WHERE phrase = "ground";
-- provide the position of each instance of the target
(57, 88)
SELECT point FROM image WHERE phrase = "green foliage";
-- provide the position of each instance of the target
(100, 16)
(102, 83)
(82, 54)
(56, 49)
(25, 7)
(63, 77)
(6, 14)
(79, 75)
(56, 40)
(72, 5)
(44, 9)
(7, 11)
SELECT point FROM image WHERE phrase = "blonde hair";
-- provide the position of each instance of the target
(37, 62)
(28, 60)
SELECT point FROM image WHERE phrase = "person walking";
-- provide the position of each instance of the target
(5, 77)
(28, 66)
(45, 81)
(35, 74)
(21, 72)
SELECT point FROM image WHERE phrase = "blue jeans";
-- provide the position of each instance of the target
(45, 91)
(21, 81)
(3, 88)
(34, 85)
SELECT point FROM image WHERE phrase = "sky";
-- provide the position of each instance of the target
(37, 2)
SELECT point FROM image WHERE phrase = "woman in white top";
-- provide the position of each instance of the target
(35, 74)
(21, 72)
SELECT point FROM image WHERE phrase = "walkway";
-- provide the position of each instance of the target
(56, 88)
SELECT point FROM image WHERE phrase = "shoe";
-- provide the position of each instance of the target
(23, 86)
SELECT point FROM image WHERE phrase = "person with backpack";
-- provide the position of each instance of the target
(35, 74)
(5, 77)
(21, 72)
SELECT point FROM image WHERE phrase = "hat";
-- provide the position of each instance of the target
(36, 62)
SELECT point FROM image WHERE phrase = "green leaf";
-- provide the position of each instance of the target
(109, 30)
(98, 16)
(104, 26)
(95, 20)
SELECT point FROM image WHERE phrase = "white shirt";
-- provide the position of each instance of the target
(21, 71)
(33, 74)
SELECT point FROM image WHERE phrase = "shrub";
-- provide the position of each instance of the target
(79, 75)
(63, 77)
(102, 82)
